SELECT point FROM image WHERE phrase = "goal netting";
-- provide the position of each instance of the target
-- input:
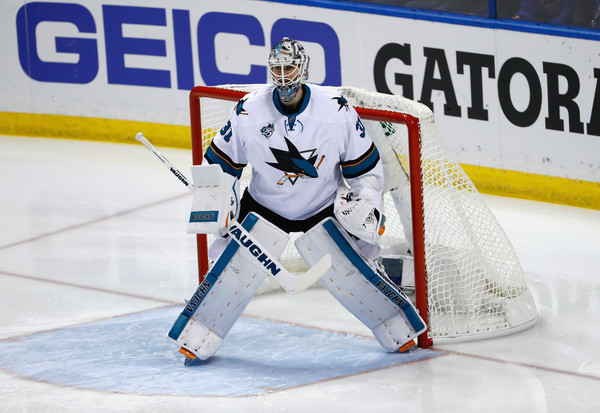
(468, 282)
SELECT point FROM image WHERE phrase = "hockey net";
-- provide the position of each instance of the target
(468, 282)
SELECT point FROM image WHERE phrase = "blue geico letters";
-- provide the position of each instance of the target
(117, 44)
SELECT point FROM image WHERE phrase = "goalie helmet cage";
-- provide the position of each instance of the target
(469, 284)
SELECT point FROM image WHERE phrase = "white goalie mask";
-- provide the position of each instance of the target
(288, 68)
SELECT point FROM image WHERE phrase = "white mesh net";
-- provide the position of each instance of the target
(475, 285)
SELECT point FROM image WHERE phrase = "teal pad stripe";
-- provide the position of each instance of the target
(374, 278)
(209, 281)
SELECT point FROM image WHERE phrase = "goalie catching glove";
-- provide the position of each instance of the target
(358, 216)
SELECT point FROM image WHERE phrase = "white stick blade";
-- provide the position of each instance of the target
(313, 275)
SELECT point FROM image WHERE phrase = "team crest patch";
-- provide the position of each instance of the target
(267, 131)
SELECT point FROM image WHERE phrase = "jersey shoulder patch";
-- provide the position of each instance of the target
(342, 103)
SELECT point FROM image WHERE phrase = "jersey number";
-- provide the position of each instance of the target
(226, 131)
(360, 127)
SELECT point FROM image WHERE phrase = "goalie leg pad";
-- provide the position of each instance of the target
(362, 287)
(227, 289)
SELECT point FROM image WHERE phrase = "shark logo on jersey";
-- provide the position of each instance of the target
(294, 164)
(267, 131)
(342, 102)
(239, 107)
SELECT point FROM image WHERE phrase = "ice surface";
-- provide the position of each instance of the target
(94, 259)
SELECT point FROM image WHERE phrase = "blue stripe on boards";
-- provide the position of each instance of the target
(451, 18)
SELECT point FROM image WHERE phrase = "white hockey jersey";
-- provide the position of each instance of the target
(298, 160)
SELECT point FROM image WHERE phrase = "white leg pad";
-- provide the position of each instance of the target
(227, 289)
(361, 286)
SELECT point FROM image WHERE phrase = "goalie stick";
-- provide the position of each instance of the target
(291, 283)
(142, 139)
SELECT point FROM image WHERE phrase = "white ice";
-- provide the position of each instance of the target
(92, 231)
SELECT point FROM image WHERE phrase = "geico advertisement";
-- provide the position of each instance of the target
(502, 99)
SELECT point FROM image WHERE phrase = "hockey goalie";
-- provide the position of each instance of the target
(315, 170)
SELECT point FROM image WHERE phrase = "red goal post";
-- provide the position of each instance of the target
(460, 298)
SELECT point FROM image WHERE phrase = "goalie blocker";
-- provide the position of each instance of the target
(362, 288)
(216, 200)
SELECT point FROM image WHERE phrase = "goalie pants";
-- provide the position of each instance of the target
(249, 204)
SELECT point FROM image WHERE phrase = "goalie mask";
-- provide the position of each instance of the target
(288, 68)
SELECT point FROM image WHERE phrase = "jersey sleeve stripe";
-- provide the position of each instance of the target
(362, 164)
(215, 155)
